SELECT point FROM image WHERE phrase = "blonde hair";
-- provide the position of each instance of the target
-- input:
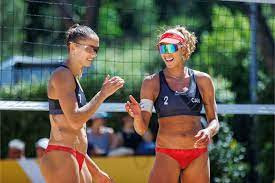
(190, 38)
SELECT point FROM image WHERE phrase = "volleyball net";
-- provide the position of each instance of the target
(223, 109)
(32, 46)
(235, 46)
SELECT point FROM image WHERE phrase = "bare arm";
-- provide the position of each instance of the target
(207, 91)
(93, 168)
(64, 86)
(97, 174)
(142, 118)
(208, 97)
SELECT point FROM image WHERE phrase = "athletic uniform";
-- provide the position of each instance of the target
(55, 108)
(173, 103)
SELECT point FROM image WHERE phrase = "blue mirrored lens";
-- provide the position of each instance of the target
(168, 48)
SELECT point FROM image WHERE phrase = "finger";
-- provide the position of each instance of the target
(130, 110)
(201, 146)
(198, 134)
(202, 138)
(203, 142)
(115, 86)
(206, 138)
(118, 86)
(129, 104)
(200, 141)
(133, 100)
(106, 78)
(120, 83)
(131, 113)
(196, 144)
(116, 79)
(127, 107)
(113, 78)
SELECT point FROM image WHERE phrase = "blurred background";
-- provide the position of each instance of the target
(235, 46)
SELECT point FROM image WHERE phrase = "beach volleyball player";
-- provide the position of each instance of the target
(178, 94)
(66, 160)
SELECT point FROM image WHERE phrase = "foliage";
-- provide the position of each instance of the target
(24, 91)
(265, 147)
(227, 158)
(25, 125)
(11, 21)
(109, 21)
(127, 31)
(226, 44)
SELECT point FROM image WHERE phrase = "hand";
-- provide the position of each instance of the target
(102, 177)
(111, 85)
(133, 108)
(203, 138)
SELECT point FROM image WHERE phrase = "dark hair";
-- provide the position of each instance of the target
(77, 32)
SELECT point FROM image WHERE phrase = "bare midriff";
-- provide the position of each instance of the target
(177, 132)
(63, 134)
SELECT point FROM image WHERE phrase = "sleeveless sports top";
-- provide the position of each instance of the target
(54, 106)
(172, 103)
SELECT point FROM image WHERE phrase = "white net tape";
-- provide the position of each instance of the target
(257, 109)
(253, 1)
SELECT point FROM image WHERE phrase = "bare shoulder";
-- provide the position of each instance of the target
(60, 83)
(151, 79)
(202, 75)
(151, 82)
(61, 76)
(202, 78)
(150, 87)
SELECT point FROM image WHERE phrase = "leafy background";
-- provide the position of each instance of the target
(243, 151)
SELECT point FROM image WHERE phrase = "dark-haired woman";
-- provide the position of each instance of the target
(177, 93)
(66, 160)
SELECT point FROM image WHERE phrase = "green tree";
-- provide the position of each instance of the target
(11, 22)
(227, 158)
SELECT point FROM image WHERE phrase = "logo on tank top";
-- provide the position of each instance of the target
(79, 97)
(195, 100)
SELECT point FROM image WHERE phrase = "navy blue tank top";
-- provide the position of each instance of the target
(54, 106)
(172, 103)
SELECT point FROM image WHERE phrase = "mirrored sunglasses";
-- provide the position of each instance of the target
(168, 48)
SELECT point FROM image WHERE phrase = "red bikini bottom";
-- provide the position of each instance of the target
(79, 156)
(183, 156)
